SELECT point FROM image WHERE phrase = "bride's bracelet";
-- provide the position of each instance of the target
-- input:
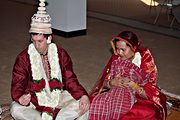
(140, 91)
(135, 86)
(108, 84)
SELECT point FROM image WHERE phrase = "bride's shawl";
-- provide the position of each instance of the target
(127, 69)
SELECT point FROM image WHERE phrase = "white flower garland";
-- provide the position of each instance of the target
(137, 59)
(45, 96)
(46, 116)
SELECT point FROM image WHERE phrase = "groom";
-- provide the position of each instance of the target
(44, 86)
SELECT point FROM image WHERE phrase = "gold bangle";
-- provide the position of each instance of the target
(108, 84)
(141, 90)
(135, 86)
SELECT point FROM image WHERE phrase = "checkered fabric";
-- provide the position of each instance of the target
(126, 69)
(111, 105)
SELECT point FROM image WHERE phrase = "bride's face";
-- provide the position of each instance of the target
(124, 50)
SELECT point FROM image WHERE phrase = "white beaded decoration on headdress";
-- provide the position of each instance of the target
(41, 20)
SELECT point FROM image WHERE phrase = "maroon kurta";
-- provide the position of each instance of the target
(22, 77)
(153, 108)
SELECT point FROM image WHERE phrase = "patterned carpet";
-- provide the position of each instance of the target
(173, 110)
(5, 112)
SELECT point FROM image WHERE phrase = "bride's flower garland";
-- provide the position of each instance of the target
(137, 59)
(47, 91)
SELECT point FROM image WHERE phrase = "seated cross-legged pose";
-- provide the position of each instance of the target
(44, 85)
(127, 88)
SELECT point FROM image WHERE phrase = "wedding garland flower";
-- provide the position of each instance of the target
(137, 59)
(47, 91)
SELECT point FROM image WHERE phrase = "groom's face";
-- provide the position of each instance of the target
(40, 43)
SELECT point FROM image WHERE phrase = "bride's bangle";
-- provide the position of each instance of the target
(135, 86)
(140, 91)
(108, 84)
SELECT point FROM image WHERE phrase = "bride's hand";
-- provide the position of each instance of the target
(128, 83)
(118, 82)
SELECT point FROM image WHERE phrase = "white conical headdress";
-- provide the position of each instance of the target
(41, 21)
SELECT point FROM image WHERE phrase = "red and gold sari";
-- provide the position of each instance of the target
(105, 103)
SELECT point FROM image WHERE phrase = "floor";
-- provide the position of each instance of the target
(89, 53)
(136, 14)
